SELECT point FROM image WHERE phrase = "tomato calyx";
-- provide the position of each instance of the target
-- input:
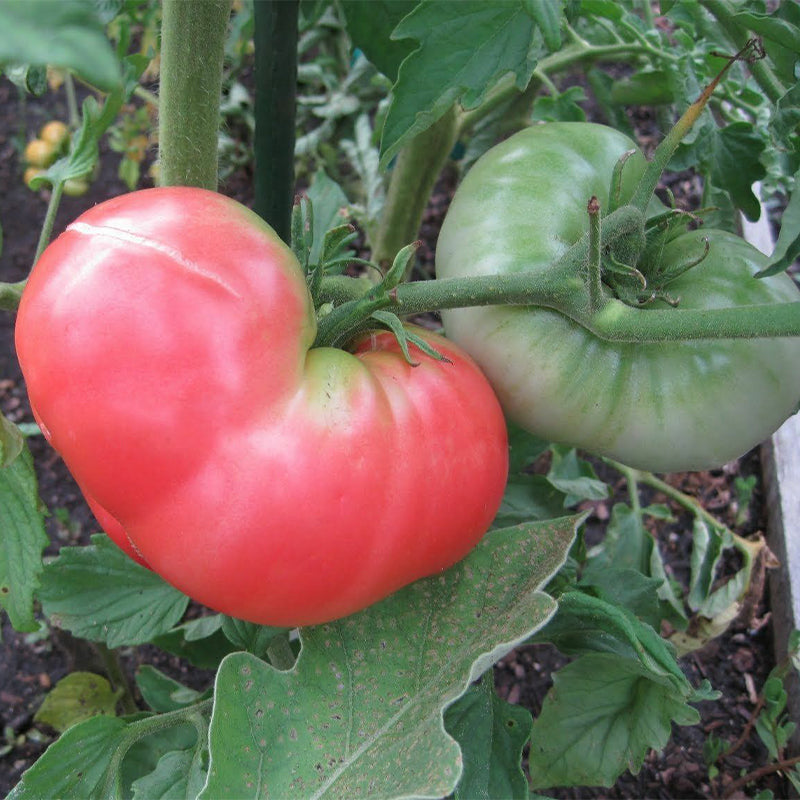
(635, 270)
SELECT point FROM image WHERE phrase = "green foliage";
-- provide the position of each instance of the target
(23, 538)
(61, 33)
(386, 703)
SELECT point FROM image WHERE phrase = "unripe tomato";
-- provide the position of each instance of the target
(39, 153)
(55, 132)
(165, 339)
(658, 406)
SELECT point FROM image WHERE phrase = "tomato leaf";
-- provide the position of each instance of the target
(601, 717)
(76, 697)
(464, 48)
(492, 734)
(161, 692)
(787, 248)
(370, 24)
(23, 537)
(178, 773)
(385, 675)
(75, 765)
(575, 477)
(60, 33)
(100, 594)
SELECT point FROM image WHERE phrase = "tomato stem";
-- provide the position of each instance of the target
(192, 48)
(595, 282)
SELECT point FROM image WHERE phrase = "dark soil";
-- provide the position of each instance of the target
(736, 664)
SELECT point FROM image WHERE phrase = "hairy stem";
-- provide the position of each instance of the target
(192, 49)
(413, 178)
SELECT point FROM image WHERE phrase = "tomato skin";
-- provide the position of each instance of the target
(165, 341)
(670, 407)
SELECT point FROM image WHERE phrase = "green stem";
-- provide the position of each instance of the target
(192, 48)
(276, 88)
(49, 220)
(722, 11)
(561, 287)
(280, 653)
(663, 153)
(72, 102)
(595, 268)
(10, 295)
(413, 178)
(117, 677)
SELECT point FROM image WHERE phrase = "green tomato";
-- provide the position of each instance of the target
(656, 406)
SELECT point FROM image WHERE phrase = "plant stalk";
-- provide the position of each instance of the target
(192, 48)
(413, 178)
(276, 89)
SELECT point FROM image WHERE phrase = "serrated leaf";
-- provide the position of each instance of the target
(360, 713)
(735, 165)
(161, 692)
(74, 766)
(179, 774)
(76, 697)
(330, 211)
(602, 716)
(787, 248)
(98, 593)
(370, 24)
(22, 541)
(547, 15)
(200, 641)
(575, 477)
(11, 441)
(492, 734)
(59, 33)
(529, 497)
(625, 587)
(464, 48)
(248, 636)
(143, 756)
(585, 624)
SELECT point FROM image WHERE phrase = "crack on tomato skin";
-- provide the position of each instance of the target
(118, 234)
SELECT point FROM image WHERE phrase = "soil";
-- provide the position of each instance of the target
(736, 664)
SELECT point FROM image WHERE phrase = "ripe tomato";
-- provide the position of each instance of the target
(661, 407)
(165, 338)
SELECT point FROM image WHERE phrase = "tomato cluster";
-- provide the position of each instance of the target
(51, 143)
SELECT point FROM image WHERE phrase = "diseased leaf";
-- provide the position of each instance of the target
(360, 713)
(76, 697)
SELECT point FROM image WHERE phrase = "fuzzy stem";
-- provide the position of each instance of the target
(192, 48)
(49, 219)
(595, 268)
(413, 178)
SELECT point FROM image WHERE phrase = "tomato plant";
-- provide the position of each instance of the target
(692, 405)
(188, 324)
(254, 424)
